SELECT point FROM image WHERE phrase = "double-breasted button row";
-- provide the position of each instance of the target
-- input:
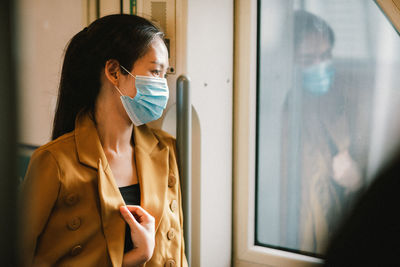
(74, 223)
(76, 250)
(170, 263)
(71, 199)
(173, 207)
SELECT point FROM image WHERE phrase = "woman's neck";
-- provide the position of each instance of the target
(114, 129)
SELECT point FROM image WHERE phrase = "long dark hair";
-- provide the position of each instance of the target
(124, 38)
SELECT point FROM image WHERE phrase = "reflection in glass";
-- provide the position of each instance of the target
(319, 93)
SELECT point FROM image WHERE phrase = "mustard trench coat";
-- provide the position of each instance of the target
(70, 207)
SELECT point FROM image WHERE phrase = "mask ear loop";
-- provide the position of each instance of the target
(127, 71)
(119, 91)
(129, 74)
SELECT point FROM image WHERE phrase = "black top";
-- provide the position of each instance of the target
(131, 196)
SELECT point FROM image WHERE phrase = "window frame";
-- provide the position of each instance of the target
(391, 9)
(245, 252)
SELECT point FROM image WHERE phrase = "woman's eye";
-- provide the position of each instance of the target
(156, 72)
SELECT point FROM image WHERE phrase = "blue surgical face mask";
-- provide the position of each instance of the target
(150, 100)
(318, 78)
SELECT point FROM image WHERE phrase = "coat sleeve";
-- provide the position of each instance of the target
(38, 196)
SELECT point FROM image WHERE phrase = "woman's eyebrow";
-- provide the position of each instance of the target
(159, 63)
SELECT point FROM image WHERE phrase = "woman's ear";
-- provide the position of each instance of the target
(112, 71)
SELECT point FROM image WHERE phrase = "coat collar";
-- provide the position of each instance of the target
(88, 143)
(89, 146)
(152, 164)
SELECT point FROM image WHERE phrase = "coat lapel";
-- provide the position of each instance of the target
(152, 166)
(113, 224)
(88, 142)
(90, 152)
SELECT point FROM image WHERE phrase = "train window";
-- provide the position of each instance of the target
(327, 99)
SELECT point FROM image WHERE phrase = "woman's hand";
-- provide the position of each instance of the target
(142, 226)
(346, 172)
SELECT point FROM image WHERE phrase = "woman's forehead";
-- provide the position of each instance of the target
(157, 52)
(313, 44)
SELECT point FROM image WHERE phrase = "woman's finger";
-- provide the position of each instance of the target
(141, 214)
(128, 217)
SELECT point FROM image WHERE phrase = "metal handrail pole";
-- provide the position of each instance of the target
(184, 142)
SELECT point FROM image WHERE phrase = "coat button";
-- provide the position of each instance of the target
(71, 199)
(74, 224)
(170, 263)
(174, 205)
(171, 180)
(171, 234)
(76, 250)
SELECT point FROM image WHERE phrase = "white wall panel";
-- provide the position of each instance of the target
(209, 65)
(44, 29)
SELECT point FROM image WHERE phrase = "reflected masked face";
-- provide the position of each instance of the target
(314, 58)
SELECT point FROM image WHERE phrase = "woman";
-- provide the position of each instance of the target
(103, 156)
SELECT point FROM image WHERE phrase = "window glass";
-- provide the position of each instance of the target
(327, 101)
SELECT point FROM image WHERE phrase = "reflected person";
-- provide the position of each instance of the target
(327, 168)
(105, 191)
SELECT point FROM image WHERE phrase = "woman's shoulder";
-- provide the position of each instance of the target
(62, 144)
